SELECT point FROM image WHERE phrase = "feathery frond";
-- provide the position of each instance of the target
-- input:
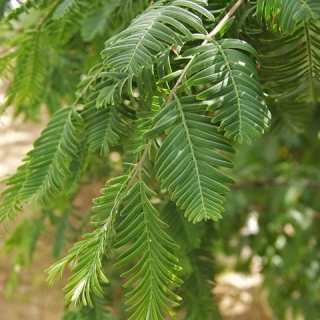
(99, 20)
(30, 72)
(152, 33)
(105, 127)
(77, 167)
(278, 15)
(65, 8)
(129, 9)
(10, 204)
(136, 141)
(153, 273)
(66, 20)
(198, 265)
(98, 312)
(197, 288)
(48, 163)
(234, 93)
(309, 11)
(289, 65)
(89, 252)
(186, 162)
(42, 179)
(149, 34)
(106, 122)
(188, 236)
(287, 15)
(289, 116)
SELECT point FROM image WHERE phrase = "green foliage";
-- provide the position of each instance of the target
(90, 251)
(196, 256)
(28, 85)
(65, 8)
(154, 263)
(98, 312)
(42, 179)
(289, 58)
(178, 87)
(235, 92)
(186, 162)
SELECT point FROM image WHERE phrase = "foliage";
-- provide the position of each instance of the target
(177, 89)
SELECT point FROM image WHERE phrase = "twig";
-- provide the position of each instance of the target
(211, 35)
(273, 182)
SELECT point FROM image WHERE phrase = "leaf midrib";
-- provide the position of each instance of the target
(196, 167)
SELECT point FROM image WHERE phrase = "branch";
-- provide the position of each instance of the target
(80, 94)
(273, 183)
(211, 35)
(137, 168)
(48, 14)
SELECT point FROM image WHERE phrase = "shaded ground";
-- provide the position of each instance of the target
(239, 296)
